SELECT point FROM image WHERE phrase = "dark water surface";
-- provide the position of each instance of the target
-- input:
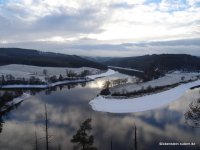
(69, 107)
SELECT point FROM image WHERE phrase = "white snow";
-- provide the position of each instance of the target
(138, 104)
(24, 86)
(88, 78)
(108, 73)
(45, 85)
(126, 69)
(26, 71)
(168, 79)
(17, 100)
(23, 97)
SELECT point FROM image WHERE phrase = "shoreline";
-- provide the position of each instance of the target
(16, 100)
(151, 91)
(45, 86)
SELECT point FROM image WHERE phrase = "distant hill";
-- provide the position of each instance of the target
(47, 59)
(97, 59)
(163, 62)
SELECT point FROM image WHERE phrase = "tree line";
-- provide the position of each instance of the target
(10, 79)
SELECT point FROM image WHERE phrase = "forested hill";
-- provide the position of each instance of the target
(48, 59)
(164, 62)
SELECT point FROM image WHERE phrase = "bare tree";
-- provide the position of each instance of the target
(46, 128)
(111, 145)
(45, 72)
(106, 84)
(47, 138)
(36, 141)
(134, 142)
(135, 137)
(59, 147)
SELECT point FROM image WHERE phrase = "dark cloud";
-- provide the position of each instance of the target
(84, 21)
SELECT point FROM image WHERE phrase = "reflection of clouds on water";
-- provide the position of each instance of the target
(68, 109)
(17, 135)
(96, 84)
(63, 124)
(188, 96)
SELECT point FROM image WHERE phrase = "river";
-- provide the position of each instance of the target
(68, 107)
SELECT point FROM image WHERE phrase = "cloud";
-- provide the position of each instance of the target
(63, 21)
(91, 47)
(109, 22)
(85, 21)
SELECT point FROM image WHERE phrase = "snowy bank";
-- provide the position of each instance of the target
(168, 79)
(107, 73)
(23, 86)
(44, 86)
(138, 104)
(15, 101)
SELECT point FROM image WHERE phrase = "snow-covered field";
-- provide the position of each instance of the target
(143, 103)
(26, 71)
(168, 79)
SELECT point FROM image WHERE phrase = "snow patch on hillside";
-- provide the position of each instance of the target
(26, 71)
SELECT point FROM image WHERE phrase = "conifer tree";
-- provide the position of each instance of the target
(82, 138)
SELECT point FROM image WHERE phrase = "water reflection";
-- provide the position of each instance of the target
(83, 139)
(7, 104)
(67, 108)
(54, 89)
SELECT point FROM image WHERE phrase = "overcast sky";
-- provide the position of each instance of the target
(102, 27)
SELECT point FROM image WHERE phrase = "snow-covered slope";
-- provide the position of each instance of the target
(27, 71)
(138, 104)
